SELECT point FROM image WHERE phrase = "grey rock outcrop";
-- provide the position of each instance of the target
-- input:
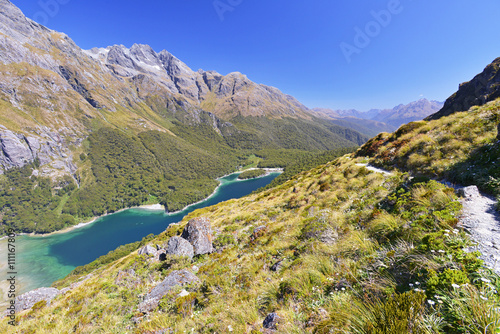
(180, 246)
(483, 88)
(198, 232)
(176, 278)
(28, 299)
(15, 151)
(148, 250)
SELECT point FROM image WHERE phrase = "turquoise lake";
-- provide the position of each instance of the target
(41, 260)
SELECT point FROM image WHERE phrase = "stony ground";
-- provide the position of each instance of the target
(481, 219)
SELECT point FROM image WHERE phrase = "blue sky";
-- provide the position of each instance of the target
(335, 54)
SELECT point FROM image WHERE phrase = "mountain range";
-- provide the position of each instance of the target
(374, 121)
(374, 241)
(54, 94)
(75, 122)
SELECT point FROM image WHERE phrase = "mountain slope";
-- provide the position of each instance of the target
(340, 248)
(57, 100)
(483, 88)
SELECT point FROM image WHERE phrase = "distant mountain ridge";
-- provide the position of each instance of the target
(391, 118)
(227, 96)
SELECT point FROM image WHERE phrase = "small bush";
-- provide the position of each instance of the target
(445, 280)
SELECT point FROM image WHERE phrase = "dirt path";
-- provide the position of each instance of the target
(479, 217)
(375, 169)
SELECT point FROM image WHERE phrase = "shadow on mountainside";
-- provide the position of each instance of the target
(482, 169)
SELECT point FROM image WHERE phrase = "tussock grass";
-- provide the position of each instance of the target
(357, 250)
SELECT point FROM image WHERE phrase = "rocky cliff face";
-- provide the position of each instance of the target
(483, 88)
(226, 96)
(48, 147)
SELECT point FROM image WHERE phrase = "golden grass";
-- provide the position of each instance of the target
(320, 282)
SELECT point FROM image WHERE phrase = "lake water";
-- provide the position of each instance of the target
(42, 260)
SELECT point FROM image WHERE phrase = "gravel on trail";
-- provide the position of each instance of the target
(481, 219)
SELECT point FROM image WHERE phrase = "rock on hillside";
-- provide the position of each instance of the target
(179, 246)
(28, 299)
(175, 278)
(198, 232)
(483, 88)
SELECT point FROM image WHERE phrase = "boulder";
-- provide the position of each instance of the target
(28, 299)
(179, 246)
(148, 250)
(271, 321)
(469, 192)
(176, 278)
(198, 232)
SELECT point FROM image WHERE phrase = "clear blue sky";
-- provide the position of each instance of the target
(425, 49)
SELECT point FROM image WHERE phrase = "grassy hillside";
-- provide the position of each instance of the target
(461, 147)
(355, 251)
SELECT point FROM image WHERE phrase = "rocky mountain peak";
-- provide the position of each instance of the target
(483, 88)
(174, 66)
(145, 54)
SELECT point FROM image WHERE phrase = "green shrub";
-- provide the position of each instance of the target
(445, 280)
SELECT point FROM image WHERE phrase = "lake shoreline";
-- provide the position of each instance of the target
(151, 207)
(45, 260)
(268, 171)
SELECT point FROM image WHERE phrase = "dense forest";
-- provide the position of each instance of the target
(251, 174)
(126, 170)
